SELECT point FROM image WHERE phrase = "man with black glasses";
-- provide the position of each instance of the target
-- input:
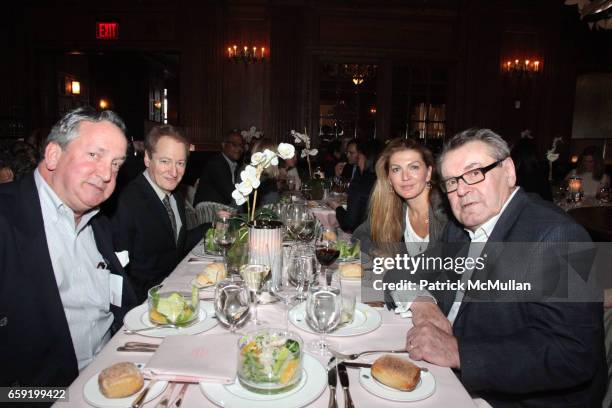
(511, 353)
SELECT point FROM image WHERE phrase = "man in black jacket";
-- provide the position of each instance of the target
(220, 174)
(518, 352)
(149, 221)
(63, 291)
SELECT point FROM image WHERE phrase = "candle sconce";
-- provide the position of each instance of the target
(521, 67)
(246, 55)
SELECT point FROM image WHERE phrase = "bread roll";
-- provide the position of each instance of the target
(120, 380)
(330, 235)
(212, 274)
(396, 373)
(352, 270)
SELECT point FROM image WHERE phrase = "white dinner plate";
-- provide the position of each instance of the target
(92, 394)
(366, 320)
(202, 252)
(312, 384)
(138, 318)
(425, 388)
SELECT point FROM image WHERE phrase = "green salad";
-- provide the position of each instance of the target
(269, 358)
(172, 308)
(348, 250)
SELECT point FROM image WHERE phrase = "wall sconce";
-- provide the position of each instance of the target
(574, 159)
(72, 86)
(103, 103)
(373, 110)
(521, 67)
(157, 104)
(358, 73)
(75, 87)
(248, 55)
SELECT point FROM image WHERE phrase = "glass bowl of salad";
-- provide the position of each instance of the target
(270, 360)
(173, 307)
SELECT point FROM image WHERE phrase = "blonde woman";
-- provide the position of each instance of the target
(405, 204)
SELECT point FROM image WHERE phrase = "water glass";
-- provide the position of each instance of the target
(323, 313)
(232, 302)
(301, 270)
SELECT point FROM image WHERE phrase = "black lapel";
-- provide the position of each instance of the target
(104, 243)
(153, 202)
(34, 253)
(493, 248)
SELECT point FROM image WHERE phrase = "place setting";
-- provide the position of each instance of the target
(120, 386)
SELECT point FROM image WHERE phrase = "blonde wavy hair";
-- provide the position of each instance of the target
(386, 207)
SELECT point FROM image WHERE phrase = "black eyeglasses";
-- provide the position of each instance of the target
(470, 177)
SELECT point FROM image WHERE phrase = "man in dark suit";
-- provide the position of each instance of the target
(513, 353)
(149, 221)
(220, 174)
(347, 171)
(63, 291)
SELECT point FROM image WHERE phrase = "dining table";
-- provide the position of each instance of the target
(389, 335)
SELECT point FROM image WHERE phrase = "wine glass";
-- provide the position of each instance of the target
(301, 270)
(323, 312)
(327, 252)
(232, 302)
(255, 276)
(301, 223)
(224, 236)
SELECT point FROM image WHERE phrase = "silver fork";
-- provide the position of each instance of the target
(161, 326)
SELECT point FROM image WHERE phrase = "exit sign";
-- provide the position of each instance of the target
(107, 31)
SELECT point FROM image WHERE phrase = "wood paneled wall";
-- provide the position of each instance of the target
(471, 37)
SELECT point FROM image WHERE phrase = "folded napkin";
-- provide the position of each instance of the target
(194, 359)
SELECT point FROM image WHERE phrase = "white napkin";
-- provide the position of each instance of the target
(123, 257)
(193, 359)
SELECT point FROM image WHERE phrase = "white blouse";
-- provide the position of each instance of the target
(414, 243)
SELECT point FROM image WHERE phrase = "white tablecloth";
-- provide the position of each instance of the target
(390, 335)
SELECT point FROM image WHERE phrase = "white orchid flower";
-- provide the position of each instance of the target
(249, 175)
(245, 188)
(238, 197)
(258, 158)
(551, 157)
(271, 158)
(286, 151)
(313, 152)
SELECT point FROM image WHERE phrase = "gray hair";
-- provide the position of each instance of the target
(67, 128)
(498, 148)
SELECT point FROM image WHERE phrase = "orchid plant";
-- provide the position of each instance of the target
(250, 134)
(552, 155)
(252, 173)
(307, 151)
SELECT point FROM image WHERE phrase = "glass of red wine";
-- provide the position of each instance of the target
(326, 251)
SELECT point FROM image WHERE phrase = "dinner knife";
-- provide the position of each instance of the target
(344, 381)
(332, 380)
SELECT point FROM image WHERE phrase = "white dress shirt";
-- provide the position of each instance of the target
(162, 194)
(480, 237)
(83, 287)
